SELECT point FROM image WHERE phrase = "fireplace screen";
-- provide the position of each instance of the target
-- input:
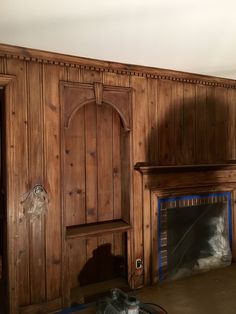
(194, 234)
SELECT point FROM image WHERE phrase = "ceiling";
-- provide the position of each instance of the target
(187, 35)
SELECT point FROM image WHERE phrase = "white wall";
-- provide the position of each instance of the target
(189, 35)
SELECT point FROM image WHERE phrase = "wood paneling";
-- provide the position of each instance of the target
(105, 171)
(51, 76)
(140, 142)
(36, 176)
(19, 116)
(91, 163)
(172, 118)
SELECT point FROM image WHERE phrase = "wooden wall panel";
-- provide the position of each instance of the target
(221, 119)
(105, 180)
(177, 118)
(77, 260)
(51, 76)
(189, 121)
(231, 123)
(3, 65)
(74, 170)
(201, 125)
(210, 120)
(153, 144)
(36, 176)
(91, 163)
(166, 123)
(178, 102)
(139, 129)
(116, 164)
(20, 169)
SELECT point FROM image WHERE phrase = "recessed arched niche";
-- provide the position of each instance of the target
(95, 152)
(96, 176)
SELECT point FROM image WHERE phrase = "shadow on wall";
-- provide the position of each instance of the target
(102, 266)
(192, 124)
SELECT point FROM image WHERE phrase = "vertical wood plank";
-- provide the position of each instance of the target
(51, 76)
(19, 167)
(36, 164)
(105, 178)
(177, 98)
(201, 125)
(231, 142)
(166, 124)
(74, 172)
(91, 162)
(12, 203)
(147, 233)
(106, 269)
(189, 123)
(77, 260)
(91, 246)
(221, 120)
(211, 139)
(74, 74)
(154, 252)
(112, 79)
(140, 125)
(3, 65)
(116, 155)
(152, 118)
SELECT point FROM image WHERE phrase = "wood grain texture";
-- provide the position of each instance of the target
(201, 125)
(36, 176)
(105, 179)
(19, 166)
(174, 118)
(91, 163)
(140, 113)
(153, 144)
(11, 214)
(74, 171)
(221, 120)
(51, 76)
(189, 118)
(231, 124)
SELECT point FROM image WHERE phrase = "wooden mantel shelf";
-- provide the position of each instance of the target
(97, 229)
(145, 168)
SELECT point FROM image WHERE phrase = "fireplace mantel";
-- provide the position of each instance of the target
(146, 168)
(179, 180)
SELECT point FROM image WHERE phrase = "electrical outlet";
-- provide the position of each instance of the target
(139, 263)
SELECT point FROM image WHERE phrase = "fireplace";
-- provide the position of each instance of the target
(188, 219)
(194, 234)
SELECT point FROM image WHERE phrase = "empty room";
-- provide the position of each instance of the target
(118, 157)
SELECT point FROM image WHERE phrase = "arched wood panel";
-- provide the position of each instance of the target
(92, 165)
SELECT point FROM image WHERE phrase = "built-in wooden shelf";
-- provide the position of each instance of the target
(156, 169)
(97, 229)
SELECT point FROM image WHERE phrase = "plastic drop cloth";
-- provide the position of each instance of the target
(198, 239)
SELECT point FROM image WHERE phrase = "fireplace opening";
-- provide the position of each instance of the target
(194, 234)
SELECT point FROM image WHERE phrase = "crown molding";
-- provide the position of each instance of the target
(43, 57)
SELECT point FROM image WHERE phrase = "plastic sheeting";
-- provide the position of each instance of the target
(197, 239)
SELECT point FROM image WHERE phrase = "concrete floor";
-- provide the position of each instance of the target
(213, 292)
